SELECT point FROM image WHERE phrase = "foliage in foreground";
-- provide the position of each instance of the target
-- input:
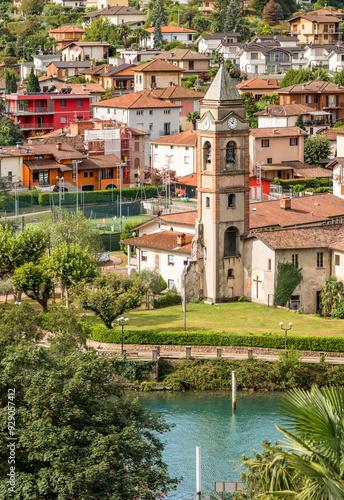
(77, 435)
(289, 276)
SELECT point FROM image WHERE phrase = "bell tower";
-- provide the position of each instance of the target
(223, 188)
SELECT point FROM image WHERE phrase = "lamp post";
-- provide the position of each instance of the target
(122, 321)
(120, 165)
(61, 191)
(285, 333)
(18, 304)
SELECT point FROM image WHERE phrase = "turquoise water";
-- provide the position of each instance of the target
(206, 419)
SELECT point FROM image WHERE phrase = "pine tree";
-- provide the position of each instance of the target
(7, 82)
(299, 123)
(32, 83)
(13, 84)
(158, 38)
(159, 12)
(233, 18)
(272, 13)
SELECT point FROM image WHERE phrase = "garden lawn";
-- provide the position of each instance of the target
(235, 317)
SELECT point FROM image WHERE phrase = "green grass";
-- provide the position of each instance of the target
(236, 317)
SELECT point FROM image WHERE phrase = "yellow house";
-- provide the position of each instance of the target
(156, 74)
(316, 29)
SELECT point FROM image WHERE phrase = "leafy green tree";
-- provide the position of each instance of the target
(123, 31)
(193, 117)
(101, 30)
(18, 325)
(10, 83)
(295, 76)
(10, 133)
(258, 6)
(158, 39)
(111, 295)
(299, 123)
(127, 233)
(339, 77)
(6, 288)
(78, 435)
(32, 6)
(70, 265)
(159, 12)
(251, 108)
(35, 281)
(201, 23)
(32, 82)
(272, 13)
(331, 294)
(140, 34)
(316, 147)
(289, 276)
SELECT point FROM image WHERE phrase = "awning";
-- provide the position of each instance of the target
(318, 113)
(275, 167)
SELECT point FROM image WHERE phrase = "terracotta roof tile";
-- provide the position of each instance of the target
(189, 217)
(157, 66)
(188, 138)
(258, 83)
(305, 210)
(285, 110)
(99, 161)
(181, 54)
(134, 101)
(313, 86)
(115, 10)
(187, 180)
(164, 240)
(67, 29)
(331, 133)
(174, 92)
(317, 19)
(277, 132)
(67, 152)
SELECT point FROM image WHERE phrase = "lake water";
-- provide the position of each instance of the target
(206, 419)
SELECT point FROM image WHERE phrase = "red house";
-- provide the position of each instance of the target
(259, 190)
(44, 112)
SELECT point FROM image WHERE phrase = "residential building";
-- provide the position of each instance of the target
(285, 115)
(188, 60)
(186, 186)
(170, 34)
(315, 29)
(177, 152)
(208, 44)
(71, 3)
(258, 87)
(257, 58)
(230, 51)
(335, 58)
(282, 40)
(45, 82)
(273, 145)
(64, 35)
(323, 96)
(188, 99)
(41, 62)
(119, 77)
(207, 6)
(156, 73)
(155, 116)
(94, 90)
(337, 165)
(289, 170)
(39, 112)
(135, 56)
(67, 69)
(331, 134)
(101, 4)
(317, 55)
(330, 12)
(119, 15)
(11, 163)
(85, 51)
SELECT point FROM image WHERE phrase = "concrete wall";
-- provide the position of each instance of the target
(164, 79)
(182, 161)
(12, 164)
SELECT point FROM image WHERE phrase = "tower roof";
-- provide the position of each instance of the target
(223, 88)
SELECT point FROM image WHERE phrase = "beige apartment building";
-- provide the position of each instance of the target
(64, 35)
(316, 29)
(156, 74)
(191, 62)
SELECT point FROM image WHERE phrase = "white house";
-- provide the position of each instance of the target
(178, 152)
(208, 44)
(335, 58)
(170, 34)
(119, 15)
(85, 51)
(317, 55)
(158, 118)
(337, 165)
(230, 51)
(41, 61)
(70, 3)
(134, 56)
(252, 58)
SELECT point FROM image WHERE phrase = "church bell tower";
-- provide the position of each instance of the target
(223, 188)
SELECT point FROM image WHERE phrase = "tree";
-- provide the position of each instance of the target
(140, 34)
(35, 281)
(272, 13)
(295, 76)
(339, 77)
(316, 147)
(10, 83)
(201, 23)
(126, 234)
(111, 295)
(10, 133)
(157, 38)
(6, 287)
(123, 31)
(32, 82)
(289, 276)
(299, 123)
(32, 6)
(18, 325)
(154, 282)
(310, 465)
(70, 265)
(159, 12)
(233, 18)
(193, 117)
(331, 294)
(78, 435)
(101, 30)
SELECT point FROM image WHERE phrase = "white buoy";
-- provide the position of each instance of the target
(198, 470)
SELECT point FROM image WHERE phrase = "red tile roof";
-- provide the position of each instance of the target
(277, 132)
(312, 86)
(259, 84)
(157, 66)
(187, 138)
(285, 110)
(174, 92)
(164, 240)
(134, 101)
(305, 210)
(67, 29)
(188, 218)
(187, 180)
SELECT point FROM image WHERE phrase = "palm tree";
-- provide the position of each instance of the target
(310, 463)
(193, 117)
(331, 294)
(140, 34)
(123, 31)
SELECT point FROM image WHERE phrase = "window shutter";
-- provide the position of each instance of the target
(327, 101)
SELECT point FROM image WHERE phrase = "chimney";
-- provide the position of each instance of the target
(268, 82)
(181, 239)
(293, 102)
(300, 131)
(183, 29)
(170, 84)
(303, 86)
(275, 130)
(59, 146)
(84, 88)
(106, 69)
(285, 203)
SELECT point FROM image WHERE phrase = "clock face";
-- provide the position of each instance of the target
(206, 123)
(232, 123)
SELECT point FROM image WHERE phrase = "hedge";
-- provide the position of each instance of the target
(307, 182)
(268, 341)
(104, 196)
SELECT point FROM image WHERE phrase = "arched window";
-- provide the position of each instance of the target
(230, 152)
(231, 200)
(206, 155)
(231, 242)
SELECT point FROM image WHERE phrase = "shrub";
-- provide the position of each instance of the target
(171, 298)
(298, 188)
(96, 196)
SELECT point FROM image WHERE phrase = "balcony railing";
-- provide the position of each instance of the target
(29, 126)
(167, 132)
(317, 123)
(37, 110)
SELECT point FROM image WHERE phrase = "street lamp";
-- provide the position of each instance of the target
(18, 304)
(285, 333)
(122, 321)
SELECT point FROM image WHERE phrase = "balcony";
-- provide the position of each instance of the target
(17, 110)
(163, 133)
(29, 126)
(317, 123)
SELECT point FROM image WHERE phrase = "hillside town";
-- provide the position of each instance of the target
(171, 219)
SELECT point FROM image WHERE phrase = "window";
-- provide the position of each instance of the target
(167, 128)
(170, 260)
(308, 99)
(269, 160)
(207, 202)
(254, 55)
(91, 174)
(170, 284)
(294, 141)
(337, 260)
(206, 155)
(167, 111)
(230, 152)
(137, 146)
(63, 104)
(150, 129)
(265, 143)
(10, 175)
(144, 254)
(107, 173)
(320, 259)
(171, 147)
(230, 273)
(108, 111)
(79, 103)
(85, 175)
(295, 259)
(35, 177)
(186, 160)
(191, 65)
(230, 242)
(231, 201)
(139, 113)
(331, 101)
(187, 148)
(63, 119)
(269, 265)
